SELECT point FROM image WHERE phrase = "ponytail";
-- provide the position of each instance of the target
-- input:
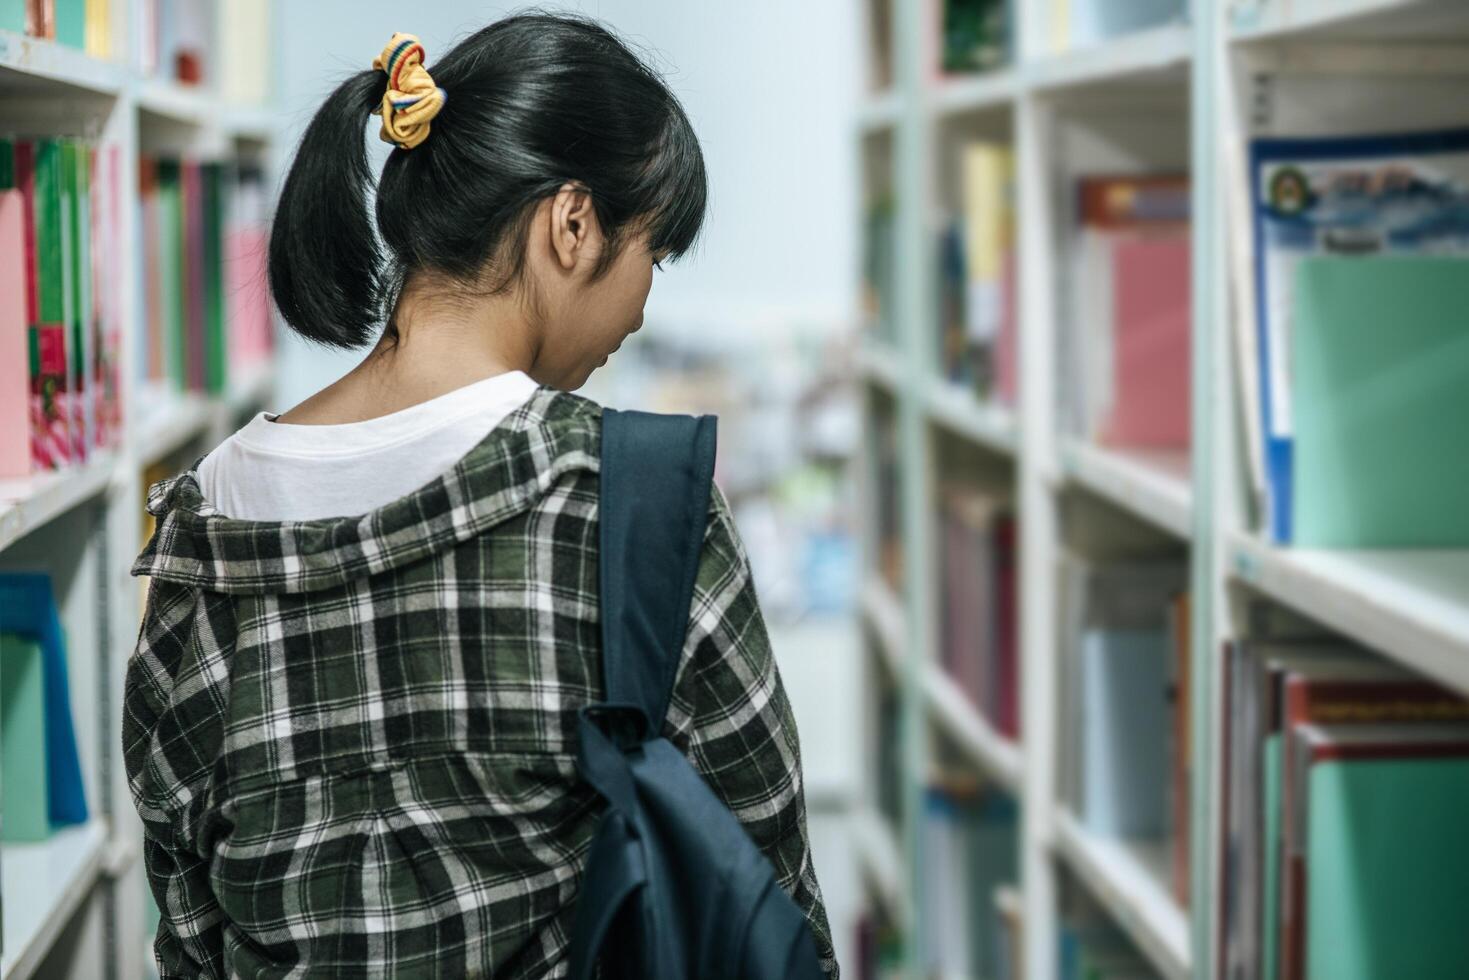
(533, 101)
(325, 263)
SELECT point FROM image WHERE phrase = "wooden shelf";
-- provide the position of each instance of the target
(983, 92)
(1363, 20)
(1129, 878)
(1132, 58)
(879, 113)
(32, 502)
(880, 365)
(45, 68)
(959, 411)
(1152, 485)
(54, 877)
(969, 730)
(1411, 605)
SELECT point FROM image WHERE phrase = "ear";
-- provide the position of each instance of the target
(574, 229)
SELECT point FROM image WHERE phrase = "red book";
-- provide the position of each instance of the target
(1007, 637)
(1376, 695)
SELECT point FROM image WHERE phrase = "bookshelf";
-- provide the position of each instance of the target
(76, 904)
(1183, 96)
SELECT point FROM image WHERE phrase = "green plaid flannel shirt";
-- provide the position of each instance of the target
(351, 741)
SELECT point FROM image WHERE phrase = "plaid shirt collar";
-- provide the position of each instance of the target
(504, 475)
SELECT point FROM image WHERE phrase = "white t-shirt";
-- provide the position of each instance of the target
(274, 471)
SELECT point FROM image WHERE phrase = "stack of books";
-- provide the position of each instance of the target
(1354, 360)
(973, 35)
(1124, 766)
(1346, 782)
(82, 24)
(979, 605)
(1085, 23)
(970, 848)
(60, 298)
(1126, 347)
(977, 339)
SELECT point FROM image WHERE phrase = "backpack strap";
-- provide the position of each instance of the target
(655, 480)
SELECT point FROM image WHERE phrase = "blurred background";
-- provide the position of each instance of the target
(1091, 385)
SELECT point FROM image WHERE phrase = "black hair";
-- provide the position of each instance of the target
(533, 101)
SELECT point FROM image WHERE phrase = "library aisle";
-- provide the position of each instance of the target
(1108, 525)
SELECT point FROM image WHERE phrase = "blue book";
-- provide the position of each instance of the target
(1124, 732)
(28, 608)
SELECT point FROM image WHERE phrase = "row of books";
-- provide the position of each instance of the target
(1127, 313)
(82, 24)
(204, 299)
(879, 269)
(888, 502)
(1125, 761)
(1354, 358)
(976, 276)
(970, 848)
(40, 771)
(1346, 781)
(60, 297)
(979, 604)
(1076, 24)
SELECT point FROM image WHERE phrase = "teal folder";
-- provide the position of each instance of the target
(1270, 905)
(24, 803)
(1380, 350)
(1387, 870)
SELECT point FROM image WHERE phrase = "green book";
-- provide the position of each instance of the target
(215, 353)
(71, 23)
(7, 162)
(1387, 873)
(24, 803)
(1379, 356)
(49, 264)
(13, 16)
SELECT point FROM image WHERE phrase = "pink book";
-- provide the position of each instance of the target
(246, 295)
(15, 381)
(1151, 314)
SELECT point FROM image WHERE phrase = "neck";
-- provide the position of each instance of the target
(442, 344)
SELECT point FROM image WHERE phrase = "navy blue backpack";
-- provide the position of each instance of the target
(674, 888)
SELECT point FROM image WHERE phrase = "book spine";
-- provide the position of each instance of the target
(50, 441)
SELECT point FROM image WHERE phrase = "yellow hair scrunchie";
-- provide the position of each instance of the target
(412, 99)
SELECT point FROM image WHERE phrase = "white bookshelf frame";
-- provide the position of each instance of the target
(1412, 607)
(84, 887)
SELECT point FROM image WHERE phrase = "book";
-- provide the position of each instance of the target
(71, 23)
(39, 170)
(28, 609)
(1124, 755)
(1181, 754)
(987, 250)
(23, 740)
(1379, 356)
(1083, 23)
(99, 28)
(976, 35)
(41, 19)
(15, 441)
(1349, 196)
(244, 30)
(1125, 309)
(1384, 878)
(1370, 693)
(13, 16)
(1150, 407)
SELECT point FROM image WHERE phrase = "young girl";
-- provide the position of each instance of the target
(350, 721)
